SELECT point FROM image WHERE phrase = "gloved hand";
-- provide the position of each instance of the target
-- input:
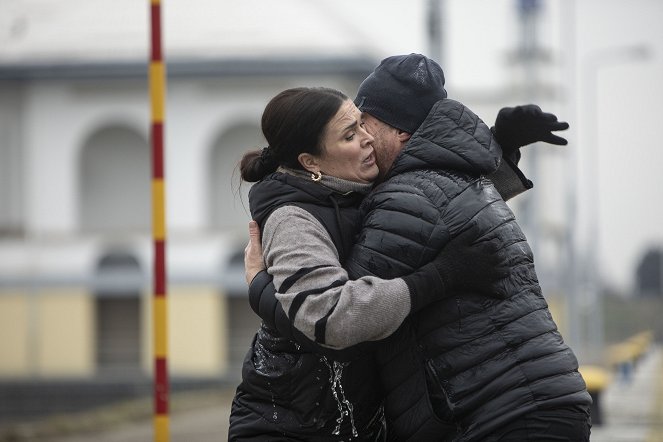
(522, 125)
(464, 264)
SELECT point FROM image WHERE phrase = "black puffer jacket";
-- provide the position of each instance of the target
(477, 361)
(287, 392)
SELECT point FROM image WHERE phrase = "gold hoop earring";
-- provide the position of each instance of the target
(316, 176)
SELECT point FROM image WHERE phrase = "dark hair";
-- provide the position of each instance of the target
(293, 122)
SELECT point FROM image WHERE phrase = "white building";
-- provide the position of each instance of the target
(75, 158)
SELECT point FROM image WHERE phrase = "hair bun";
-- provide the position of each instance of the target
(267, 156)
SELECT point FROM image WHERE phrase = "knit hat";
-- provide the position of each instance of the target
(402, 90)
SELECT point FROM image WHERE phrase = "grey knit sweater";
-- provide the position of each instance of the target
(366, 309)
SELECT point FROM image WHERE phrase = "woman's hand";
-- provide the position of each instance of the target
(253, 262)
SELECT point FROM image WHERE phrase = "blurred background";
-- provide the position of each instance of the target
(75, 209)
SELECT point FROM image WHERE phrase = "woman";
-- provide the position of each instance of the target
(317, 168)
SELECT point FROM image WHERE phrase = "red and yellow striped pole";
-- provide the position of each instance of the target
(159, 309)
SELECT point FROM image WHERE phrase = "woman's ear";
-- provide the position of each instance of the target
(309, 162)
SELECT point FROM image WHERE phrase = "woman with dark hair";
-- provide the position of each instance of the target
(309, 182)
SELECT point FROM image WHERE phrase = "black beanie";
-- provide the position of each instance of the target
(402, 90)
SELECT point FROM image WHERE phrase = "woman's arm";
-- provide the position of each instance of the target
(263, 301)
(315, 292)
(353, 313)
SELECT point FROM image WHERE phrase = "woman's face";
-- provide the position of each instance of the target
(347, 147)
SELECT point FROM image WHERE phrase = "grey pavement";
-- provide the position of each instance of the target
(632, 409)
(204, 425)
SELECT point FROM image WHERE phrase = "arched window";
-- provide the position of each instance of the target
(117, 286)
(229, 207)
(115, 179)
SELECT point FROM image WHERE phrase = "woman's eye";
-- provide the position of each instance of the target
(350, 137)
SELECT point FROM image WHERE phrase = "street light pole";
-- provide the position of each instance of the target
(434, 27)
(594, 62)
(528, 50)
(572, 335)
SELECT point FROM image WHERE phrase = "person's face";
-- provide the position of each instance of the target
(347, 148)
(388, 143)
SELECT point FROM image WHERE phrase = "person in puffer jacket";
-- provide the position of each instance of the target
(469, 367)
(462, 369)
(309, 182)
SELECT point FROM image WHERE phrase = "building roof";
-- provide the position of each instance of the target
(359, 66)
(74, 31)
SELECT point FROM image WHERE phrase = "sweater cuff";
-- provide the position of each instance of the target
(509, 180)
(425, 287)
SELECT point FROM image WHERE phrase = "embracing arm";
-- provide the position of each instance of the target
(514, 128)
(407, 225)
(263, 301)
(315, 294)
(316, 304)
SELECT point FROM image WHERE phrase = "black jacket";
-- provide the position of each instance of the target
(478, 362)
(287, 392)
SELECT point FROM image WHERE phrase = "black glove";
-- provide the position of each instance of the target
(522, 125)
(468, 265)
(462, 265)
